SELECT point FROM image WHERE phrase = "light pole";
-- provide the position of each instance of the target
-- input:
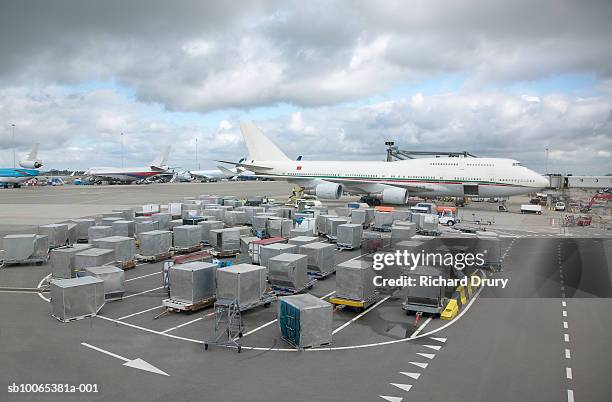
(546, 165)
(196, 154)
(122, 150)
(13, 126)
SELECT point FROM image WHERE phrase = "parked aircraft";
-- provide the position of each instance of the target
(14, 177)
(390, 182)
(131, 174)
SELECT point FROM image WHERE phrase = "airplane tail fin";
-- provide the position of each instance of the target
(33, 155)
(259, 146)
(162, 158)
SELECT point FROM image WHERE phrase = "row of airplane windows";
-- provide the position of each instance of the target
(413, 177)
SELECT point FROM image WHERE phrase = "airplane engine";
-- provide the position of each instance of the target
(331, 191)
(395, 196)
(30, 164)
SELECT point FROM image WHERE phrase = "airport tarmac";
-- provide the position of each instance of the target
(508, 344)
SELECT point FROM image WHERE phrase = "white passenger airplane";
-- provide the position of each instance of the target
(390, 182)
(131, 174)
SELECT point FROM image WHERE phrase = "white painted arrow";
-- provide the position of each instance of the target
(411, 375)
(391, 398)
(405, 387)
(135, 363)
(419, 364)
(434, 347)
(427, 355)
(443, 340)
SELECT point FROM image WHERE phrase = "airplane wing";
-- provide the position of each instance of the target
(246, 165)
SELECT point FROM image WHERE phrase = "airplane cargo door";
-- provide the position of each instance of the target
(470, 189)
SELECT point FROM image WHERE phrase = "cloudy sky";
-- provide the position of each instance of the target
(330, 80)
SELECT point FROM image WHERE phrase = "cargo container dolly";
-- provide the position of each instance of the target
(186, 250)
(429, 232)
(321, 274)
(347, 246)
(153, 258)
(265, 301)
(28, 261)
(224, 253)
(287, 290)
(358, 305)
(178, 306)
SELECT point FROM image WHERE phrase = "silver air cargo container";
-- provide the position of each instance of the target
(123, 247)
(320, 256)
(108, 221)
(225, 239)
(126, 213)
(25, 247)
(489, 245)
(332, 226)
(362, 216)
(425, 297)
(73, 299)
(401, 233)
(288, 270)
(235, 218)
(82, 228)
(383, 220)
(162, 219)
(192, 282)
(62, 260)
(146, 226)
(155, 243)
(305, 320)
(207, 226)
(321, 225)
(271, 250)
(349, 235)
(57, 233)
(114, 280)
(243, 283)
(303, 231)
(93, 257)
(96, 232)
(301, 240)
(123, 228)
(187, 236)
(355, 280)
(279, 227)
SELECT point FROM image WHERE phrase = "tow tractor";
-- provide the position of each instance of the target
(447, 215)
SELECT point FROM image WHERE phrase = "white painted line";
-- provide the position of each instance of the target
(564, 313)
(434, 347)
(419, 364)
(144, 276)
(568, 354)
(563, 303)
(566, 337)
(405, 387)
(563, 295)
(346, 324)
(182, 325)
(411, 375)
(419, 329)
(47, 299)
(570, 395)
(105, 352)
(565, 324)
(140, 312)
(134, 363)
(391, 398)
(443, 340)
(141, 293)
(260, 327)
(568, 373)
(427, 355)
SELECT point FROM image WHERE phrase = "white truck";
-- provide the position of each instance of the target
(531, 209)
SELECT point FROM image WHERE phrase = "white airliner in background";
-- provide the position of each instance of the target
(390, 182)
(132, 174)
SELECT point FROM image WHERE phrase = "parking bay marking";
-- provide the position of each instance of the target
(134, 363)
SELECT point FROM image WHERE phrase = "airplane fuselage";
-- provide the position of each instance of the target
(17, 175)
(482, 177)
(123, 174)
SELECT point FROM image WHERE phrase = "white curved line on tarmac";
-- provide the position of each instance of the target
(48, 300)
(259, 348)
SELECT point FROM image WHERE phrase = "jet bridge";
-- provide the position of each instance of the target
(394, 153)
